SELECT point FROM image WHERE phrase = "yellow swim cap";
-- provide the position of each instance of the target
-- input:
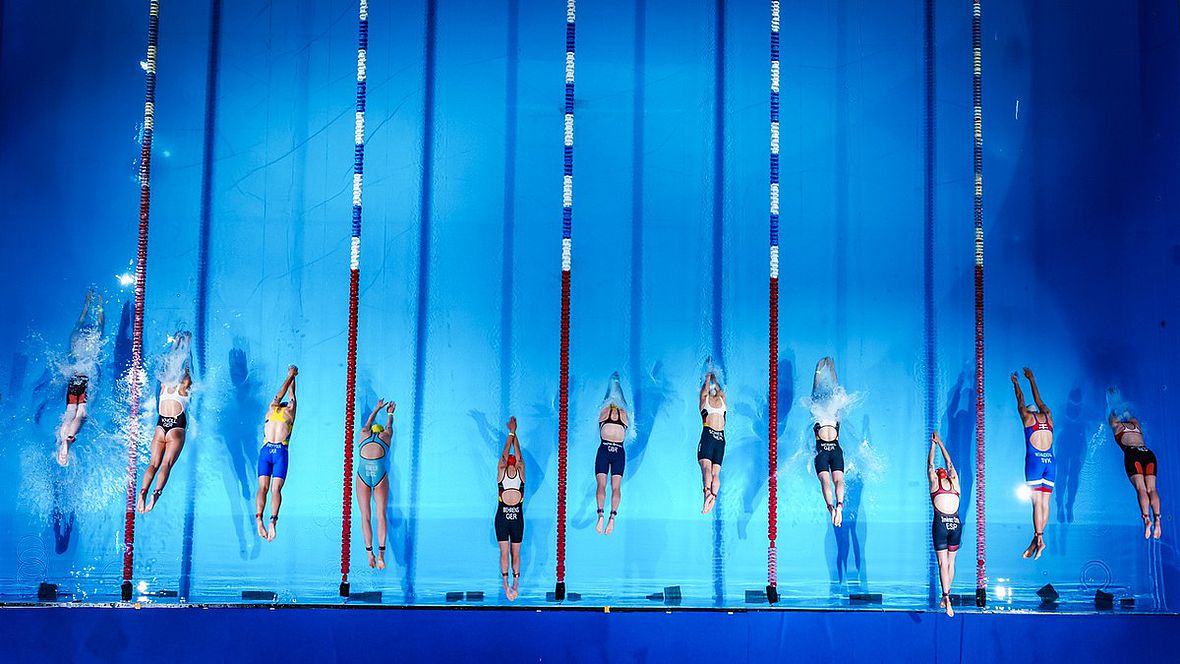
(376, 428)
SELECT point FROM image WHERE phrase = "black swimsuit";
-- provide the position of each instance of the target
(828, 455)
(611, 458)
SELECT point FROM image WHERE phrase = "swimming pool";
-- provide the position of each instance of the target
(460, 281)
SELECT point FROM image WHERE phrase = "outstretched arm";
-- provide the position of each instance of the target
(186, 380)
(950, 465)
(930, 460)
(1036, 393)
(288, 384)
(372, 417)
(85, 310)
(1019, 394)
(386, 435)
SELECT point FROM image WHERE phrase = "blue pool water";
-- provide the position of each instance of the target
(460, 283)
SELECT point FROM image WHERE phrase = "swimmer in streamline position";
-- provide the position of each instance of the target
(273, 456)
(829, 457)
(84, 343)
(711, 448)
(373, 472)
(611, 458)
(509, 520)
(168, 440)
(1140, 464)
(1040, 467)
(946, 528)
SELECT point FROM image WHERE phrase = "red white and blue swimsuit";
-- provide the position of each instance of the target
(1040, 470)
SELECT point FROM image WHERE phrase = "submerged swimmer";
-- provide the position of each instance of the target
(711, 448)
(168, 440)
(510, 509)
(1040, 467)
(273, 457)
(946, 529)
(829, 457)
(373, 472)
(612, 457)
(1140, 464)
(84, 341)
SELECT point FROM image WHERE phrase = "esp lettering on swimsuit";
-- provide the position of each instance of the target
(950, 523)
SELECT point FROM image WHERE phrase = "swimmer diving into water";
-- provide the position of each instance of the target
(1040, 468)
(373, 472)
(829, 457)
(946, 529)
(168, 440)
(273, 457)
(611, 458)
(1140, 464)
(509, 520)
(84, 343)
(711, 448)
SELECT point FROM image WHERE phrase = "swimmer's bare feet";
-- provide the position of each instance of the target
(1158, 531)
(838, 515)
(710, 500)
(610, 524)
(139, 503)
(947, 605)
(1146, 527)
(1040, 541)
(381, 558)
(372, 560)
(599, 526)
(152, 502)
(271, 532)
(63, 454)
(1032, 547)
(261, 526)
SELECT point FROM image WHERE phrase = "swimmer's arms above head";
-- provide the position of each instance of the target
(1019, 395)
(288, 384)
(935, 439)
(1036, 393)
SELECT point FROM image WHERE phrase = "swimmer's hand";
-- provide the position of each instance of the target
(935, 439)
(512, 424)
(380, 405)
(292, 370)
(1015, 379)
(392, 407)
(1028, 373)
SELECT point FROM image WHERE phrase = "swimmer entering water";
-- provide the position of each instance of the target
(168, 440)
(1040, 468)
(84, 342)
(946, 529)
(273, 457)
(611, 458)
(829, 457)
(711, 448)
(509, 520)
(372, 470)
(1140, 464)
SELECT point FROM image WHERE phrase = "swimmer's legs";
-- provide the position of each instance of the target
(515, 570)
(1155, 504)
(825, 485)
(601, 496)
(504, 567)
(381, 493)
(173, 444)
(363, 493)
(72, 421)
(946, 575)
(1144, 498)
(714, 487)
(616, 482)
(260, 504)
(838, 512)
(1040, 505)
(157, 457)
(276, 500)
(706, 482)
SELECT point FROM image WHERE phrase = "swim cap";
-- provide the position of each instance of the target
(376, 428)
(941, 472)
(511, 459)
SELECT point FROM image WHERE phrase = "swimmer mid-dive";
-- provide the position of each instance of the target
(1040, 468)
(612, 457)
(84, 342)
(1141, 467)
(168, 440)
(829, 457)
(509, 520)
(946, 528)
(273, 457)
(711, 448)
(372, 470)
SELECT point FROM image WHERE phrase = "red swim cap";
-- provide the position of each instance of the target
(941, 472)
(511, 459)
